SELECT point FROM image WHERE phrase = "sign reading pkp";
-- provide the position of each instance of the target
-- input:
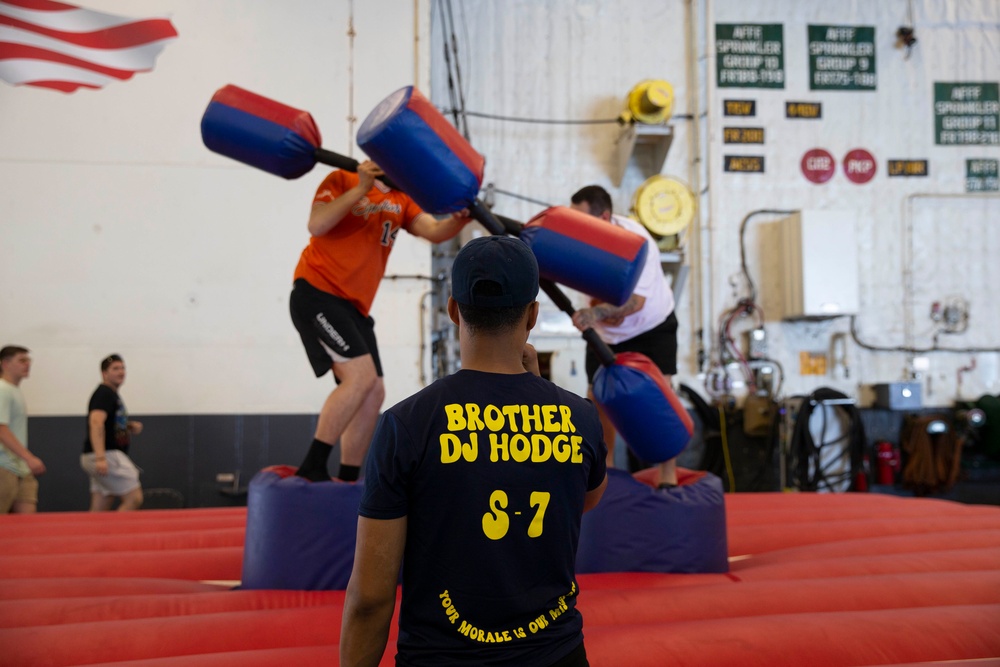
(818, 165)
(859, 166)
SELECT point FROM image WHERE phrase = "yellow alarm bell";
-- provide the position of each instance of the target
(650, 102)
(663, 205)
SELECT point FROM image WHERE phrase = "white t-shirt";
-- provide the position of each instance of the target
(652, 285)
(13, 415)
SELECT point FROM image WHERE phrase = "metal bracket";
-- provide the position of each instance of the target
(656, 139)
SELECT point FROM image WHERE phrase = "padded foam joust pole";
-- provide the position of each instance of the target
(632, 391)
(586, 254)
(268, 135)
(421, 151)
(643, 407)
(434, 164)
(630, 388)
(634, 394)
(431, 162)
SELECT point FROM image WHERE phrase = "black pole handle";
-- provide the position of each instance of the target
(600, 348)
(346, 163)
(510, 225)
(477, 211)
(336, 160)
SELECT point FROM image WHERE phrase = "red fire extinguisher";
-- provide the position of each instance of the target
(888, 464)
(863, 475)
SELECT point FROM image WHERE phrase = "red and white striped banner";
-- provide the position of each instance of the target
(54, 45)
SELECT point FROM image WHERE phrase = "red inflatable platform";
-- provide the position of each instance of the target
(818, 580)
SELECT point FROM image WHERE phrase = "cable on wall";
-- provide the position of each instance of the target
(743, 249)
(514, 195)
(551, 121)
(914, 350)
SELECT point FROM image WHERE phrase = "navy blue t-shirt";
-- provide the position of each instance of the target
(491, 471)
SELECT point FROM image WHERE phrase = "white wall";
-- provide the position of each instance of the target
(121, 232)
(561, 60)
(954, 238)
(578, 60)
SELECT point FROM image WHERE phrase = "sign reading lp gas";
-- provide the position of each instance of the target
(859, 166)
(818, 165)
(907, 168)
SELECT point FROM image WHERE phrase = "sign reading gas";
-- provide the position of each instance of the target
(818, 165)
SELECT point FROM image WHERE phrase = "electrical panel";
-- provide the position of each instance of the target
(819, 264)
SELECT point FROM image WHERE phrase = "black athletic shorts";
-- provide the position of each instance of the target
(331, 328)
(659, 344)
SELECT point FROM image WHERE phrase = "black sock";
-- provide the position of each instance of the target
(348, 473)
(313, 466)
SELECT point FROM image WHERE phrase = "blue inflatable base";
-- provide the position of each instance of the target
(637, 528)
(300, 534)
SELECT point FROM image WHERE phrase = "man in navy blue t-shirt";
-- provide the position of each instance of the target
(476, 485)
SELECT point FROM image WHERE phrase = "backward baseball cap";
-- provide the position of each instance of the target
(505, 260)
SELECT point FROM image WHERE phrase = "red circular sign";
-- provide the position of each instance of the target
(818, 165)
(859, 165)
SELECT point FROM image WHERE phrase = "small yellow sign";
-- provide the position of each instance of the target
(908, 168)
(744, 163)
(812, 363)
(743, 135)
(810, 110)
(740, 107)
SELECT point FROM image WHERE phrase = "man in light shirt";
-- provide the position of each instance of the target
(646, 323)
(18, 466)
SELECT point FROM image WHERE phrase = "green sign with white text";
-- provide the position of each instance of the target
(750, 55)
(982, 175)
(842, 57)
(966, 114)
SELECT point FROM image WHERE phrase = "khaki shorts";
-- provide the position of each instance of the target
(14, 489)
(122, 477)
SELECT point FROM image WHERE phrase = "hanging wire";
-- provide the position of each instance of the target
(743, 249)
(464, 128)
(452, 96)
(542, 121)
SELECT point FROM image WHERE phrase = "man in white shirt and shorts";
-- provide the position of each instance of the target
(646, 323)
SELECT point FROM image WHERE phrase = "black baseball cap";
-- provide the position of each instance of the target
(505, 260)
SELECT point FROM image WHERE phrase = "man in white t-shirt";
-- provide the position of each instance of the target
(18, 466)
(645, 323)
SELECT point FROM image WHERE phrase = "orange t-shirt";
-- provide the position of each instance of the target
(349, 260)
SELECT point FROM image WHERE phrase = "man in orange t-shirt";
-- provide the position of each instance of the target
(354, 222)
